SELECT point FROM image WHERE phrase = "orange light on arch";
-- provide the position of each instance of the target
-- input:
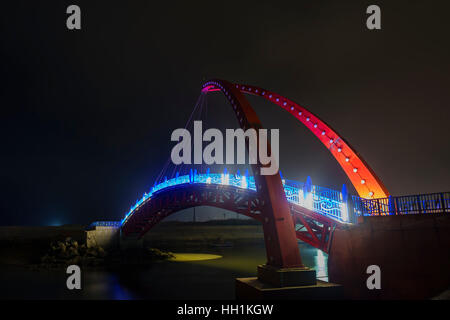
(363, 178)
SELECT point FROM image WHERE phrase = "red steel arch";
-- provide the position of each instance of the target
(171, 200)
(361, 175)
(279, 232)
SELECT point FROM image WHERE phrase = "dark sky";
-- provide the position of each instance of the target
(86, 116)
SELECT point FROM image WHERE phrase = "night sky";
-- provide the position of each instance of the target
(86, 116)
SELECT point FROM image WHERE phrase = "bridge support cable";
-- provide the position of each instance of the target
(198, 106)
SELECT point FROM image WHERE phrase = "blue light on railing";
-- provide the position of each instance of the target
(319, 199)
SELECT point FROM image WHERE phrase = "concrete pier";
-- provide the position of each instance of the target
(412, 251)
(107, 237)
(286, 284)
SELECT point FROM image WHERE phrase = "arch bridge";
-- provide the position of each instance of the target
(288, 210)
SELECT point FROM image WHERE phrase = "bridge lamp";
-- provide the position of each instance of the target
(323, 133)
(355, 170)
(363, 181)
(347, 159)
(344, 212)
(244, 183)
(300, 196)
(370, 194)
(225, 177)
(309, 201)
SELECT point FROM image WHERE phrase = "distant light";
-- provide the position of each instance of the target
(347, 159)
(370, 194)
(363, 181)
(299, 113)
(55, 224)
(307, 119)
(339, 149)
(331, 140)
(323, 133)
(315, 125)
(355, 170)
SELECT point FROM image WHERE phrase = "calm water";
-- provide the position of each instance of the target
(209, 279)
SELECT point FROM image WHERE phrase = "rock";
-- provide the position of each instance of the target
(101, 252)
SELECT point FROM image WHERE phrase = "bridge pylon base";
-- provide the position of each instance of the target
(286, 284)
(286, 277)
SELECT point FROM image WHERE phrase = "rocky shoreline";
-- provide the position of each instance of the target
(69, 252)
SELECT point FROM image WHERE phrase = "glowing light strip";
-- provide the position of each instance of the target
(363, 178)
(321, 200)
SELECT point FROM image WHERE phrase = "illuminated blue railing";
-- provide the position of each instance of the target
(111, 224)
(319, 199)
(337, 205)
(410, 204)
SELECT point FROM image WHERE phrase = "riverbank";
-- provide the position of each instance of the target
(212, 256)
(26, 245)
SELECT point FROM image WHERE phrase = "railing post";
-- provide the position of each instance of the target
(391, 205)
(441, 198)
(347, 205)
(378, 207)
(419, 204)
(397, 209)
(351, 210)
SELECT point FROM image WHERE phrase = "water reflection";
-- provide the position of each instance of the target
(321, 260)
(190, 279)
